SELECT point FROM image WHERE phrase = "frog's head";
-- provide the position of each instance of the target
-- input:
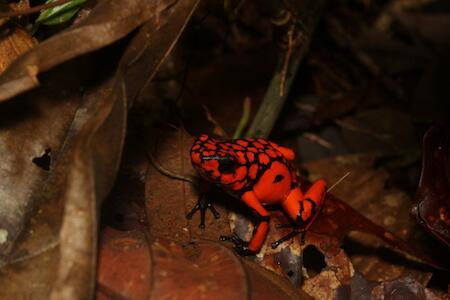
(214, 161)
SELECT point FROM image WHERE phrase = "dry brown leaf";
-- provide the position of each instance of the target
(166, 197)
(37, 121)
(76, 275)
(91, 153)
(108, 22)
(13, 42)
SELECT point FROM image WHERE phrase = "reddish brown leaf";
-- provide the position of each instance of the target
(341, 219)
(265, 284)
(433, 193)
(204, 270)
(124, 266)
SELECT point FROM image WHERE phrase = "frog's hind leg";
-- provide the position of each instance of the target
(303, 208)
(312, 203)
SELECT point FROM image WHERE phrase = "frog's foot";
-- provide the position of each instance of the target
(240, 245)
(203, 204)
(289, 236)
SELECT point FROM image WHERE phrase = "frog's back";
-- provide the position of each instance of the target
(257, 159)
(261, 158)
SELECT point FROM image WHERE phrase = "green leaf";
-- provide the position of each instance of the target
(59, 14)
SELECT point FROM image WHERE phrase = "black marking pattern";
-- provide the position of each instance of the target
(299, 221)
(278, 178)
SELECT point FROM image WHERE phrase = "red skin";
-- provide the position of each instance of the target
(258, 172)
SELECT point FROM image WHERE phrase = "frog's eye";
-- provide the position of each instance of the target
(227, 165)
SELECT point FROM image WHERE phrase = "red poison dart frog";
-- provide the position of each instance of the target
(257, 172)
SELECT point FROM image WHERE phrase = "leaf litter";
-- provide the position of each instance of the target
(146, 246)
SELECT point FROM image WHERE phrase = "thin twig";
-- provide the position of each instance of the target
(217, 128)
(31, 255)
(306, 107)
(33, 9)
(317, 139)
(352, 126)
(168, 173)
(243, 122)
(337, 182)
(287, 58)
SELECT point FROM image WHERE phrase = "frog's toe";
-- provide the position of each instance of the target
(240, 245)
(203, 204)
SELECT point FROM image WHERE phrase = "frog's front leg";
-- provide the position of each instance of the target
(260, 231)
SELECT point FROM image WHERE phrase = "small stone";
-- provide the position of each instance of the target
(3, 235)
